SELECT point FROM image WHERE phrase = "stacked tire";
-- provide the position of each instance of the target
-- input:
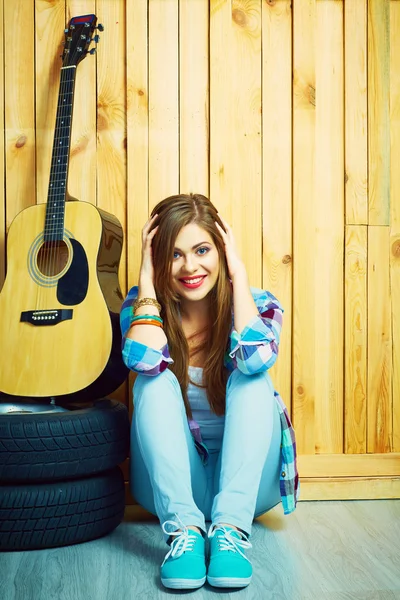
(60, 482)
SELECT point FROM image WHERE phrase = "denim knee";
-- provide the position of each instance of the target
(237, 378)
(165, 382)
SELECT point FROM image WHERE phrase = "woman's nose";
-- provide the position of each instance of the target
(190, 265)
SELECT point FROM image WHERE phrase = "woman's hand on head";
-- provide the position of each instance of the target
(235, 264)
(147, 267)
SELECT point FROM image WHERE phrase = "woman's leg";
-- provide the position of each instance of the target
(247, 472)
(167, 476)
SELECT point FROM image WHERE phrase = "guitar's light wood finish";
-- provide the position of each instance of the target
(59, 359)
(2, 195)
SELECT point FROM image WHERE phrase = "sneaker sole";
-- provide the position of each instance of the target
(229, 582)
(183, 584)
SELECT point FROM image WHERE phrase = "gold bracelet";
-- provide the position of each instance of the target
(146, 301)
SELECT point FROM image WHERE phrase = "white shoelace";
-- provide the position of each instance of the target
(229, 541)
(184, 540)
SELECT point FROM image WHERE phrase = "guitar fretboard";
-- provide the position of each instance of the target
(55, 210)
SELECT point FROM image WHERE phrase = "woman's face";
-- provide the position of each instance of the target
(195, 265)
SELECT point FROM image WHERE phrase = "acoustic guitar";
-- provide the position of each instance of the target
(60, 303)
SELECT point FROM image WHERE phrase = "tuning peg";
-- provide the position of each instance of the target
(66, 30)
(100, 27)
(96, 39)
(92, 51)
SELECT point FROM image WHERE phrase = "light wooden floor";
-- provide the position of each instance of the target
(323, 551)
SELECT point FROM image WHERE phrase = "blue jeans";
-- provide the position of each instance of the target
(239, 482)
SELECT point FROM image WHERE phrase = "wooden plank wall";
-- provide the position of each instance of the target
(285, 112)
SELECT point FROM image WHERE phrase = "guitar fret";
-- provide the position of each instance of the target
(54, 221)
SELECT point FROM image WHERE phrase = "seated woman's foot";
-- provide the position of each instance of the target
(184, 566)
(229, 566)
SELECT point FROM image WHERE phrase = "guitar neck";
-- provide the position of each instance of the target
(54, 223)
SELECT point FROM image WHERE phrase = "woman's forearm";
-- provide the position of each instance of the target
(149, 335)
(244, 307)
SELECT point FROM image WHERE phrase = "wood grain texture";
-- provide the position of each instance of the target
(380, 399)
(2, 154)
(235, 116)
(349, 465)
(277, 176)
(111, 116)
(163, 100)
(355, 343)
(276, 155)
(19, 87)
(49, 27)
(329, 227)
(137, 194)
(378, 111)
(193, 97)
(356, 115)
(325, 550)
(304, 237)
(82, 163)
(395, 212)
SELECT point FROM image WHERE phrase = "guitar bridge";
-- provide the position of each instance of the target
(46, 317)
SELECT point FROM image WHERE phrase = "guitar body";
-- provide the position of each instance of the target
(60, 304)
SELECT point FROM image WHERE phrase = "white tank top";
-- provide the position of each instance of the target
(211, 426)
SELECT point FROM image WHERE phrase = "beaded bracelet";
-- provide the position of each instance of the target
(146, 301)
(140, 317)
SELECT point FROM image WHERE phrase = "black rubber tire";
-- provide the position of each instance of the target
(49, 515)
(63, 445)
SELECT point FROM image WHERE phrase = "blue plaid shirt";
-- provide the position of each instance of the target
(254, 350)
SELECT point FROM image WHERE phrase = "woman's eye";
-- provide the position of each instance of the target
(176, 255)
(203, 250)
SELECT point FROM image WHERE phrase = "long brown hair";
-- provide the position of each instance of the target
(174, 213)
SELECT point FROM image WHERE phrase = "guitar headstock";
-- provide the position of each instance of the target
(78, 37)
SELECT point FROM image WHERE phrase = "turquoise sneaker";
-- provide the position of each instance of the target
(229, 566)
(184, 566)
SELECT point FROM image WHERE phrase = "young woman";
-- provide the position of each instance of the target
(211, 438)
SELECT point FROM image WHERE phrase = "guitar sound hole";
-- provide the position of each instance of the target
(52, 258)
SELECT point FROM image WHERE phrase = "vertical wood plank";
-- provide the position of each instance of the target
(137, 133)
(304, 207)
(379, 393)
(2, 153)
(329, 222)
(356, 114)
(163, 100)
(277, 175)
(193, 97)
(82, 163)
(111, 124)
(19, 97)
(49, 28)
(355, 346)
(235, 117)
(395, 211)
(137, 192)
(378, 111)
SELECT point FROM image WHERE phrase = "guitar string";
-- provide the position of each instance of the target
(60, 167)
